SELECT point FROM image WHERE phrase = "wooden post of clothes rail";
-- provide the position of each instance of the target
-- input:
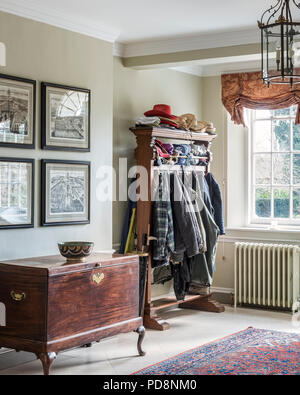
(145, 157)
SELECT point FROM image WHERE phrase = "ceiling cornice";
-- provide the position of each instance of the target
(132, 49)
(54, 18)
(119, 49)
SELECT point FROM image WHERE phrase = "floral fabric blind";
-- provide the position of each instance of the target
(246, 90)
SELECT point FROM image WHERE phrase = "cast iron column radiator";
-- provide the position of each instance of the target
(267, 275)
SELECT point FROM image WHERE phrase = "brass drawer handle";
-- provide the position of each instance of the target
(98, 278)
(18, 297)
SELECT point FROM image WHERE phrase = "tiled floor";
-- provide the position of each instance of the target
(118, 355)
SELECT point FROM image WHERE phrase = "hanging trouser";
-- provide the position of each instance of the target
(182, 277)
(162, 274)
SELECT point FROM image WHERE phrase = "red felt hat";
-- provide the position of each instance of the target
(162, 110)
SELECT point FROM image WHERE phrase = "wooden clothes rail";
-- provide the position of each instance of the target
(144, 154)
(188, 157)
(178, 168)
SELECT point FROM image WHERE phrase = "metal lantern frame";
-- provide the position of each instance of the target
(277, 22)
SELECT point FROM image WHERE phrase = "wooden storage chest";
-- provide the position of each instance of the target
(52, 306)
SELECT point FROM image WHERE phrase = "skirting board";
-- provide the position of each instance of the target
(116, 247)
(223, 295)
(221, 290)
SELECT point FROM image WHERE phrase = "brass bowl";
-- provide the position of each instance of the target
(76, 251)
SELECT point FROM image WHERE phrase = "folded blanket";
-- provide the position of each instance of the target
(148, 121)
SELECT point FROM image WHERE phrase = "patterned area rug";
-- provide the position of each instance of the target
(250, 352)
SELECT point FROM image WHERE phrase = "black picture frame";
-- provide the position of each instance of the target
(32, 189)
(44, 111)
(45, 197)
(33, 115)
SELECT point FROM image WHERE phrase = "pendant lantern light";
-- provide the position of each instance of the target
(280, 43)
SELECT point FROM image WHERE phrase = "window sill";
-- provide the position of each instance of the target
(261, 235)
(266, 229)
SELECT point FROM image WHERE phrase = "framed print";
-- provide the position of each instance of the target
(16, 193)
(65, 118)
(17, 112)
(65, 192)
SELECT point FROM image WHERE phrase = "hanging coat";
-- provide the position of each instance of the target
(187, 234)
(217, 202)
(162, 227)
(203, 265)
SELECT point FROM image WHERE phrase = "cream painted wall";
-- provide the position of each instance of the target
(214, 111)
(45, 53)
(229, 168)
(136, 91)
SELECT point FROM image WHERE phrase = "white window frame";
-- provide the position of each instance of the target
(252, 219)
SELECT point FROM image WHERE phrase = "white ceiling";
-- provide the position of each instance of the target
(140, 27)
(139, 20)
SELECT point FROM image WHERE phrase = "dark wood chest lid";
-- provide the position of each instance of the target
(57, 265)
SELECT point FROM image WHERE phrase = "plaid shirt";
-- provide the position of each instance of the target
(163, 230)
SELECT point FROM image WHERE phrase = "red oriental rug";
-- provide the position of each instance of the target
(250, 352)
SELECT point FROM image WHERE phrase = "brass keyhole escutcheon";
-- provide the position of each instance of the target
(18, 297)
(98, 278)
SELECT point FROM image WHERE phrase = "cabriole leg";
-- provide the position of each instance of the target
(47, 360)
(141, 331)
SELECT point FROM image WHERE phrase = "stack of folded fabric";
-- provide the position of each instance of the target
(148, 121)
(172, 153)
(164, 113)
(180, 154)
